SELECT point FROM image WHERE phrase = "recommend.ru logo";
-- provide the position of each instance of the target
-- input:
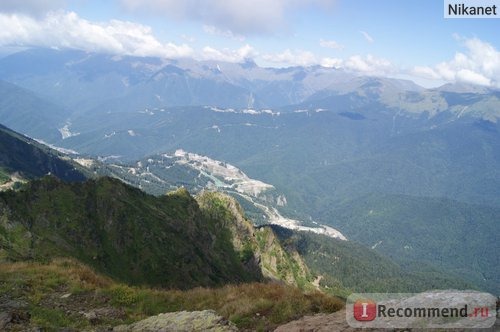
(436, 309)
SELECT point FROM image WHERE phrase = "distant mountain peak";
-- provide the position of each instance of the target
(248, 64)
(463, 88)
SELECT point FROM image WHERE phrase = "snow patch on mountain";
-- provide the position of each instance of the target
(255, 112)
(110, 135)
(59, 149)
(249, 111)
(66, 132)
(220, 110)
(147, 110)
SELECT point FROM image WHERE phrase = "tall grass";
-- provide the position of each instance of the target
(250, 306)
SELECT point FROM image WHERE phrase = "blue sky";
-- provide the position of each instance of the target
(397, 38)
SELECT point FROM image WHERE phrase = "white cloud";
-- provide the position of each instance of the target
(331, 63)
(480, 65)
(292, 58)
(331, 44)
(466, 75)
(366, 65)
(62, 29)
(240, 55)
(367, 36)
(67, 30)
(238, 16)
(425, 72)
(210, 29)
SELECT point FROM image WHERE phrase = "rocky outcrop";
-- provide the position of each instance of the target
(14, 314)
(206, 320)
(279, 261)
(259, 248)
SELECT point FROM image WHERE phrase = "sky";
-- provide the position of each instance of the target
(391, 38)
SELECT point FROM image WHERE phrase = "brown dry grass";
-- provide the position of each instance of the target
(68, 269)
(255, 306)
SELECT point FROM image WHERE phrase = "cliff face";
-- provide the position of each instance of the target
(259, 248)
(281, 262)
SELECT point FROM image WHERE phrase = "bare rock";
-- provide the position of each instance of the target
(181, 321)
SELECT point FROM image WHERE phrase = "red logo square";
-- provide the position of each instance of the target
(365, 310)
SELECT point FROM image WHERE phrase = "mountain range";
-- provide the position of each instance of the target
(131, 187)
(369, 157)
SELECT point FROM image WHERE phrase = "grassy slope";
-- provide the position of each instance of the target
(21, 154)
(137, 238)
(42, 291)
